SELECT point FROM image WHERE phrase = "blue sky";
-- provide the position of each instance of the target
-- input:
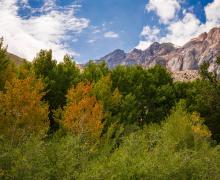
(89, 29)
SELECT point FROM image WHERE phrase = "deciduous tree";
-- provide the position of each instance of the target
(83, 113)
(21, 110)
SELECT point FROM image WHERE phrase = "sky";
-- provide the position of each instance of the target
(90, 29)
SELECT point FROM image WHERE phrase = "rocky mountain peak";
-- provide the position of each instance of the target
(214, 35)
(136, 51)
(205, 47)
(117, 54)
(115, 57)
(202, 37)
(154, 46)
(118, 51)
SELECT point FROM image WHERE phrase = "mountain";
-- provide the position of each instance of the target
(204, 48)
(17, 60)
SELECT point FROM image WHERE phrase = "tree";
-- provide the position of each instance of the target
(25, 70)
(94, 71)
(205, 74)
(83, 113)
(58, 79)
(43, 64)
(152, 90)
(63, 76)
(111, 98)
(4, 61)
(21, 110)
(128, 111)
(203, 97)
(6, 67)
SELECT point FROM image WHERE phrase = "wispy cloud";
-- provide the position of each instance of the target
(111, 34)
(91, 41)
(50, 29)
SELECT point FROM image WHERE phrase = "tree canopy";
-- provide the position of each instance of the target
(61, 122)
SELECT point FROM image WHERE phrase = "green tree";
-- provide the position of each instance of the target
(6, 67)
(43, 64)
(4, 61)
(58, 79)
(152, 89)
(203, 96)
(94, 71)
(205, 74)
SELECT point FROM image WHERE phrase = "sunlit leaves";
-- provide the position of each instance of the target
(21, 110)
(83, 113)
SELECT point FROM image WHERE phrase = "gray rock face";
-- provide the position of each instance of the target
(204, 48)
(115, 58)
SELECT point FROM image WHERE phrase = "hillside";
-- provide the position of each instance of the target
(17, 60)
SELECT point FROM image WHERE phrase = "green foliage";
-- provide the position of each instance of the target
(94, 71)
(62, 77)
(173, 150)
(25, 70)
(6, 67)
(205, 74)
(58, 77)
(60, 158)
(4, 61)
(121, 123)
(203, 96)
(25, 161)
(152, 89)
(43, 64)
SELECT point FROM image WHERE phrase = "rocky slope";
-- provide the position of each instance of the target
(185, 76)
(205, 47)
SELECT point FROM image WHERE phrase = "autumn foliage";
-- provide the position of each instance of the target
(21, 109)
(83, 113)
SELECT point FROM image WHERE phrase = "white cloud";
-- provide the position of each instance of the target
(212, 11)
(182, 30)
(111, 34)
(51, 30)
(165, 9)
(150, 35)
(189, 27)
(143, 45)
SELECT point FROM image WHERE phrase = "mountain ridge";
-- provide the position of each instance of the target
(204, 48)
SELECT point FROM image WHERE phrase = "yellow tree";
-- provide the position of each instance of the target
(21, 110)
(83, 113)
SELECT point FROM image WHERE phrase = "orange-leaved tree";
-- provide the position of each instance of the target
(21, 110)
(83, 113)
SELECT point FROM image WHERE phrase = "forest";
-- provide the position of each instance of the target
(58, 121)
